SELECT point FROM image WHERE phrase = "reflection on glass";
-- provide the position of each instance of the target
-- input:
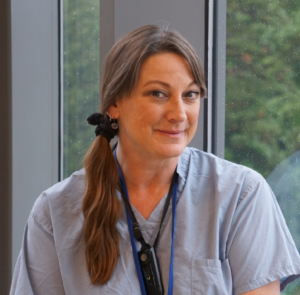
(263, 98)
(285, 182)
(80, 78)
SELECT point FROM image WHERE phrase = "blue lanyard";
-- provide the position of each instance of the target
(132, 238)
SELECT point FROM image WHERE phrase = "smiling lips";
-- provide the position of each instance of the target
(171, 133)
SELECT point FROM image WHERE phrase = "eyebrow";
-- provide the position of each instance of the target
(164, 83)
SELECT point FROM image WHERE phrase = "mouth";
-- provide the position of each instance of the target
(171, 133)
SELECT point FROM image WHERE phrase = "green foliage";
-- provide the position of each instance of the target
(80, 79)
(292, 289)
(262, 82)
(263, 96)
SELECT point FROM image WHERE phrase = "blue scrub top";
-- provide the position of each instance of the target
(230, 236)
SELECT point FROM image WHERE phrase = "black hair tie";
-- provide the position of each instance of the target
(103, 126)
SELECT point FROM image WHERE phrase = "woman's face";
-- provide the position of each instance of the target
(159, 118)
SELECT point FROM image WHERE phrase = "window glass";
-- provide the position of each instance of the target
(80, 79)
(262, 129)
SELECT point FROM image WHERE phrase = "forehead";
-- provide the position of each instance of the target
(165, 66)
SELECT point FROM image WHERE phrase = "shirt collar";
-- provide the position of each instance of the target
(183, 167)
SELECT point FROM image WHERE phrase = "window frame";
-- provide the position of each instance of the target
(216, 80)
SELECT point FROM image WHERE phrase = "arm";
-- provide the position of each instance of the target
(269, 289)
(260, 247)
(37, 270)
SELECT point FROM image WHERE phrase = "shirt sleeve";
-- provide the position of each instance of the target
(37, 269)
(260, 248)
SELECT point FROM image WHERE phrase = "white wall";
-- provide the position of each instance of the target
(35, 100)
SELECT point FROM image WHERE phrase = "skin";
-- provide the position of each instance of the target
(269, 289)
(156, 122)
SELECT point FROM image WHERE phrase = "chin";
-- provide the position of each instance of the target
(171, 151)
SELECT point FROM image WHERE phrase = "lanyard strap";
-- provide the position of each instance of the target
(136, 228)
(174, 203)
(133, 233)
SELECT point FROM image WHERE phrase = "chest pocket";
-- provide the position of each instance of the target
(211, 277)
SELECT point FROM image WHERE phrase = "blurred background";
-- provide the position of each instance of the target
(262, 128)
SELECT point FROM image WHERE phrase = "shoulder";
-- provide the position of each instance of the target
(224, 176)
(62, 200)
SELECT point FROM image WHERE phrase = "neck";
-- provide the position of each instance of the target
(142, 173)
(147, 179)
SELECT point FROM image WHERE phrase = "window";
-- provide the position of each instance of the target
(262, 128)
(80, 79)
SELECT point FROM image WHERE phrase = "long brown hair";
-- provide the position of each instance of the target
(101, 208)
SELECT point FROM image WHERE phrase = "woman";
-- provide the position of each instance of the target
(196, 224)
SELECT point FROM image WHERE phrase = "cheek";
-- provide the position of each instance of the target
(149, 116)
(138, 119)
(193, 116)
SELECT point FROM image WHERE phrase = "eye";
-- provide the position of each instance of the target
(191, 95)
(158, 94)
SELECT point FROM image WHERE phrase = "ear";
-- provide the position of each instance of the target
(114, 111)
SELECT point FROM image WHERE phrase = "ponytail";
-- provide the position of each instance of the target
(101, 210)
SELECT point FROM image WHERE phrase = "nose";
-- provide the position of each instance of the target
(176, 109)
